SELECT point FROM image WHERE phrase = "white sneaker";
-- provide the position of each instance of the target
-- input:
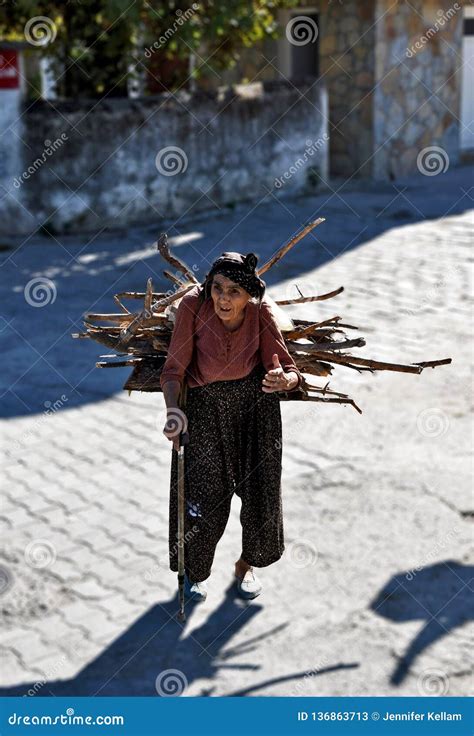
(196, 591)
(249, 586)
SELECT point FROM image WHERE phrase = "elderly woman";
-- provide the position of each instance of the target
(227, 346)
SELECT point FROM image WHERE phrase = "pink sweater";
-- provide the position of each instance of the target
(203, 350)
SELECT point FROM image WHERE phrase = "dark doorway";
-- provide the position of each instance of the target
(304, 58)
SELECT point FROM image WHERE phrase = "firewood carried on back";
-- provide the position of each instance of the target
(141, 338)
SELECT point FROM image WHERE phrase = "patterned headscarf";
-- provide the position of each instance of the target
(238, 268)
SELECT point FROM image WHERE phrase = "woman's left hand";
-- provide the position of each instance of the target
(277, 380)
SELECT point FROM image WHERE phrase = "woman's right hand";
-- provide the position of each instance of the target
(176, 422)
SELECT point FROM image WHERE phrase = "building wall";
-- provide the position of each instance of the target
(389, 98)
(346, 42)
(418, 64)
(124, 161)
(347, 49)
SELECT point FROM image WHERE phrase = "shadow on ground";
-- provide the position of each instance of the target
(139, 662)
(156, 656)
(440, 596)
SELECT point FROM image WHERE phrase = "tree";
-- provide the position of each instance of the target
(95, 46)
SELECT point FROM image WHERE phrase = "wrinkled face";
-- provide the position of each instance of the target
(229, 298)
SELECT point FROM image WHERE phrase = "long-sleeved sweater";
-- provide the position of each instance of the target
(204, 351)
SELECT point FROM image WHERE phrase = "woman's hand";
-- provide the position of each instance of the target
(277, 380)
(176, 422)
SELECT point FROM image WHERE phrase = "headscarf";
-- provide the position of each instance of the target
(238, 268)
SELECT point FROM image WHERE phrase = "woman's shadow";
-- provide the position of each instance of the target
(440, 595)
(157, 656)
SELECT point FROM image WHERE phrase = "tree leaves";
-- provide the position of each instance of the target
(99, 44)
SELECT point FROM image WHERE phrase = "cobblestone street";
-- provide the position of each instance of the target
(372, 594)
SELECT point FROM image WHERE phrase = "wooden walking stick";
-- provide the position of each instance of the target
(183, 440)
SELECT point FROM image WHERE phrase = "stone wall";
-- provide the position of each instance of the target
(392, 74)
(417, 97)
(89, 164)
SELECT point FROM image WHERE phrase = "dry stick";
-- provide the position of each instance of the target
(118, 363)
(137, 322)
(165, 253)
(301, 331)
(315, 369)
(125, 318)
(285, 248)
(148, 299)
(303, 299)
(325, 390)
(142, 332)
(342, 359)
(122, 363)
(109, 341)
(433, 363)
(359, 368)
(358, 342)
(172, 298)
(122, 306)
(306, 397)
(325, 333)
(109, 317)
(173, 278)
(308, 323)
(139, 294)
(319, 334)
(107, 329)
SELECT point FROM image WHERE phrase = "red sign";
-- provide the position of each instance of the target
(9, 78)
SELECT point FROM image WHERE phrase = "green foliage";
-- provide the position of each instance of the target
(98, 44)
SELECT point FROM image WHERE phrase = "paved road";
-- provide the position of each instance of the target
(371, 595)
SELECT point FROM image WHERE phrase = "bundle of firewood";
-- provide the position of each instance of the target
(141, 338)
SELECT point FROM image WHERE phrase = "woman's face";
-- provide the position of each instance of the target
(229, 298)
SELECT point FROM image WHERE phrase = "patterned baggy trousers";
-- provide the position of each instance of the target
(235, 446)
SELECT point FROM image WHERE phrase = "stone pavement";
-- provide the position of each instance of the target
(372, 594)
